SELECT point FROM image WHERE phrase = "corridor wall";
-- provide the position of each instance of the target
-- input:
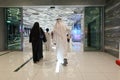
(2, 30)
(112, 27)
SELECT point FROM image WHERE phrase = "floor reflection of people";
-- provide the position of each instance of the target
(60, 38)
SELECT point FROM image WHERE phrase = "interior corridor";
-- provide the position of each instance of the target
(18, 65)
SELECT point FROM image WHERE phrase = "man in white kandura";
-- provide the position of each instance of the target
(60, 38)
(48, 43)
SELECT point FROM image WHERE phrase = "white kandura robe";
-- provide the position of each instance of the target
(60, 38)
(48, 43)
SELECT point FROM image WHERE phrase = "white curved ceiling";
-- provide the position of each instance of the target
(46, 16)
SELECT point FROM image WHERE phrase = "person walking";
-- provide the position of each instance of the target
(60, 38)
(36, 37)
(48, 37)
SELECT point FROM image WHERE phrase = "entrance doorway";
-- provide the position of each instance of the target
(47, 16)
(19, 21)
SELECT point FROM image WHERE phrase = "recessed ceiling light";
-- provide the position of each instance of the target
(52, 7)
(35, 13)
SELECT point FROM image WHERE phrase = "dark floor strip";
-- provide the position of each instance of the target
(22, 65)
(5, 53)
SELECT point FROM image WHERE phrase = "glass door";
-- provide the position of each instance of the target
(14, 28)
(93, 28)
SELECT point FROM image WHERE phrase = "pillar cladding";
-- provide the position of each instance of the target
(112, 27)
(2, 30)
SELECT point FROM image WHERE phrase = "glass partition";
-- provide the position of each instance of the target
(14, 28)
(93, 28)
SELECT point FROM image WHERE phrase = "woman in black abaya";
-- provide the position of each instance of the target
(36, 37)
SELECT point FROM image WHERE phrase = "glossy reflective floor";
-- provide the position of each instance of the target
(81, 65)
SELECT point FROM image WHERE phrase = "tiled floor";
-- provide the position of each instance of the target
(81, 66)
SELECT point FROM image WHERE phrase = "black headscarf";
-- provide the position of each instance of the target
(35, 32)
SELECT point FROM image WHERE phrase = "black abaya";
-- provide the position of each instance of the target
(37, 40)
